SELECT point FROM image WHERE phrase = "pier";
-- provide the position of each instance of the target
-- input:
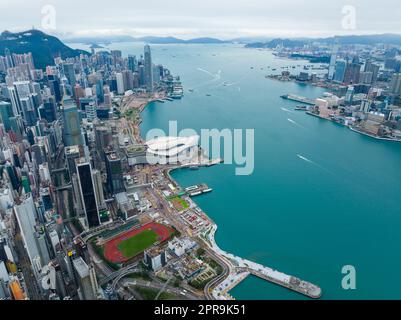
(296, 98)
(242, 268)
(196, 190)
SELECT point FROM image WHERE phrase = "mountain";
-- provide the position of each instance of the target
(205, 40)
(44, 47)
(394, 39)
(386, 38)
(288, 43)
(147, 39)
(159, 40)
(99, 39)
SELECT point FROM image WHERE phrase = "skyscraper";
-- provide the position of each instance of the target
(120, 83)
(115, 180)
(339, 74)
(132, 63)
(333, 59)
(395, 84)
(69, 73)
(86, 282)
(148, 69)
(72, 128)
(352, 73)
(88, 194)
(26, 217)
(5, 114)
(374, 68)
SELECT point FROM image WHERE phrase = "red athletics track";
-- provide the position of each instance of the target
(114, 255)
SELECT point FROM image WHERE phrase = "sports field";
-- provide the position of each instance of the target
(134, 241)
(138, 243)
(179, 203)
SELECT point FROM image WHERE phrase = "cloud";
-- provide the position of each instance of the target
(224, 18)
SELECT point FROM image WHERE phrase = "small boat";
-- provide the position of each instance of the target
(194, 168)
(208, 95)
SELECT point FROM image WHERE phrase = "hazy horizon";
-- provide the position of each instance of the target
(222, 19)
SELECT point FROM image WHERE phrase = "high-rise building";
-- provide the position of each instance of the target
(374, 68)
(13, 96)
(100, 91)
(48, 110)
(72, 128)
(98, 185)
(148, 68)
(339, 74)
(69, 73)
(6, 113)
(352, 73)
(71, 154)
(86, 282)
(132, 63)
(366, 77)
(333, 58)
(395, 84)
(115, 180)
(88, 193)
(26, 217)
(120, 83)
(128, 79)
(155, 258)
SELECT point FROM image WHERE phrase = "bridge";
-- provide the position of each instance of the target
(59, 170)
(64, 187)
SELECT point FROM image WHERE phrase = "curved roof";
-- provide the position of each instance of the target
(171, 146)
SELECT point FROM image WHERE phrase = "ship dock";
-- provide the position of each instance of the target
(196, 190)
(296, 98)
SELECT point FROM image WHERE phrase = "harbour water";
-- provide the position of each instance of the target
(320, 197)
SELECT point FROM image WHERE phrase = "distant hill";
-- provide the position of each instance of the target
(147, 39)
(99, 39)
(288, 43)
(386, 38)
(44, 47)
(394, 39)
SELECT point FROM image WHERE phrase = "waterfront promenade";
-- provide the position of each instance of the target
(242, 268)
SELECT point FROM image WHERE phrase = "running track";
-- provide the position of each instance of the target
(114, 255)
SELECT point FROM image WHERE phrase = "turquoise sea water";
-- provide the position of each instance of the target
(305, 218)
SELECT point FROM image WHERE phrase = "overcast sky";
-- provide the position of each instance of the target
(193, 18)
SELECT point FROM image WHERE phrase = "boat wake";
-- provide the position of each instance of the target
(214, 76)
(286, 110)
(305, 159)
(294, 122)
(313, 163)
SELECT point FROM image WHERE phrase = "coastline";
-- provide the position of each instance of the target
(234, 267)
(353, 128)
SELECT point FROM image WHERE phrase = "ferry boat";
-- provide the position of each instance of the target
(301, 108)
(192, 194)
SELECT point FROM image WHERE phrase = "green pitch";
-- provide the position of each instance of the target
(138, 243)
